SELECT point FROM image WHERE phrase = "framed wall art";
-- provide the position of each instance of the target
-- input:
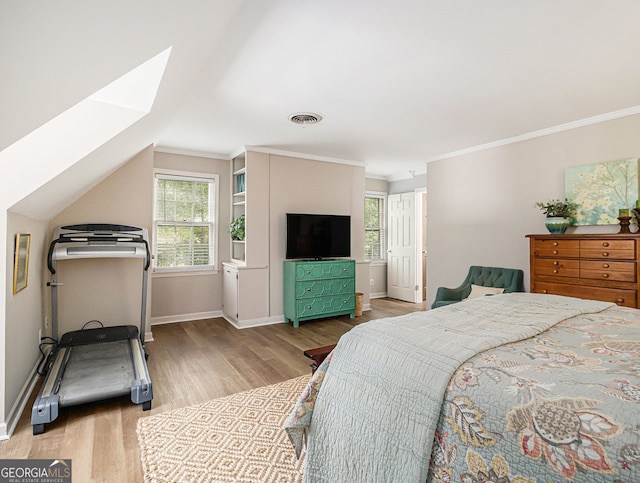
(602, 189)
(21, 262)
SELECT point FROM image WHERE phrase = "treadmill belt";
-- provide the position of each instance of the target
(97, 371)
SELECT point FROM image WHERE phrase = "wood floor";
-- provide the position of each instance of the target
(189, 363)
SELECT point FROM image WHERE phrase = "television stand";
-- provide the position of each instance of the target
(316, 289)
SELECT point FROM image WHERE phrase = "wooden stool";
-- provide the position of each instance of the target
(318, 355)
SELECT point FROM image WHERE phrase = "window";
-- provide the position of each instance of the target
(184, 222)
(374, 230)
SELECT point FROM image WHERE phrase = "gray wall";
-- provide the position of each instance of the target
(177, 296)
(481, 205)
(25, 309)
(408, 185)
(91, 286)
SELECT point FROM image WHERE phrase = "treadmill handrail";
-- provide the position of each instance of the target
(88, 238)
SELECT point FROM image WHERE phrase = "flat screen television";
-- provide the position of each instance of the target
(318, 236)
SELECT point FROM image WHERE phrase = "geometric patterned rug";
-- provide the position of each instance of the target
(237, 438)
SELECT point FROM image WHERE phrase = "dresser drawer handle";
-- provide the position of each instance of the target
(620, 301)
(344, 301)
(544, 291)
(605, 275)
(605, 244)
(555, 263)
(555, 271)
(605, 254)
(605, 265)
(309, 289)
(308, 271)
(344, 285)
(555, 252)
(309, 307)
(555, 244)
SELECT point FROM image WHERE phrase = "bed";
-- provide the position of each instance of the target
(508, 388)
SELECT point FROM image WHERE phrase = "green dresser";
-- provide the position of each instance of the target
(315, 289)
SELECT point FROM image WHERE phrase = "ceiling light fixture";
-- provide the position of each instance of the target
(305, 118)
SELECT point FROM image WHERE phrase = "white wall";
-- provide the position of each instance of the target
(481, 206)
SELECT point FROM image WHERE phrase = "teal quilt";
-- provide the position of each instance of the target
(549, 401)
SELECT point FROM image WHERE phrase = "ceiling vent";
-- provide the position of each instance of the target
(305, 118)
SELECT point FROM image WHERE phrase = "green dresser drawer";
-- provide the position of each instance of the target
(320, 288)
(325, 270)
(325, 305)
(315, 289)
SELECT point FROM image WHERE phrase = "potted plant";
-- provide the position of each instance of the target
(560, 214)
(236, 228)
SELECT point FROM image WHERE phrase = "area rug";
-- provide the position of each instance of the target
(237, 438)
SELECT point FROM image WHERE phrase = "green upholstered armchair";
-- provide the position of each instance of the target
(510, 279)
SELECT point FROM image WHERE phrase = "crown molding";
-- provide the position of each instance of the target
(542, 132)
(188, 152)
(312, 157)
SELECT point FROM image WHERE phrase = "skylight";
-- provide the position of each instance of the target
(81, 129)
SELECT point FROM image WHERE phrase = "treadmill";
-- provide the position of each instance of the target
(99, 363)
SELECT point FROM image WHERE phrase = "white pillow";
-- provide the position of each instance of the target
(480, 291)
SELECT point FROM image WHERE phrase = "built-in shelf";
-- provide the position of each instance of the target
(238, 204)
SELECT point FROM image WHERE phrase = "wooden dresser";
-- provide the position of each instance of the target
(598, 267)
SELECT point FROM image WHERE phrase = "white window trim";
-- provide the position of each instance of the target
(383, 195)
(188, 176)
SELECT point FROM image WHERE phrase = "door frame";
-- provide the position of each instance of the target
(421, 242)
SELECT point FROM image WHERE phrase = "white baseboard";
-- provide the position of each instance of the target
(170, 319)
(8, 427)
(378, 295)
(245, 324)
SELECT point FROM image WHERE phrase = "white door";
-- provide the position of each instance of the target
(401, 254)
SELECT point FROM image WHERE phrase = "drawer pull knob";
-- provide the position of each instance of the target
(555, 271)
(620, 301)
(555, 263)
(344, 301)
(555, 252)
(344, 285)
(605, 254)
(309, 289)
(309, 307)
(544, 291)
(605, 265)
(308, 271)
(555, 244)
(605, 244)
(605, 275)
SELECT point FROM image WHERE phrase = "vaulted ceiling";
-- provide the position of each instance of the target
(397, 83)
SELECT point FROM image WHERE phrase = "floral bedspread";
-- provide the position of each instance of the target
(561, 406)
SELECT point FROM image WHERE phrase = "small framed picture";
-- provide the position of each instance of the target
(21, 262)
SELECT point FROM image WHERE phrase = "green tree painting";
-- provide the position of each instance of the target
(601, 189)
